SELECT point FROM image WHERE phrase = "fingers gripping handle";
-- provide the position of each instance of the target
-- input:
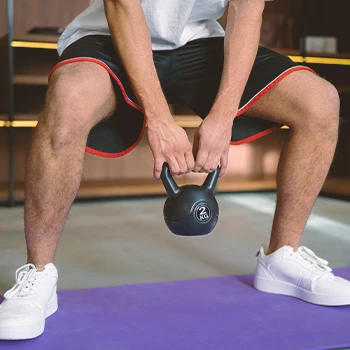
(173, 189)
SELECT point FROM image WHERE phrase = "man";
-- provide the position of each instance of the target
(121, 63)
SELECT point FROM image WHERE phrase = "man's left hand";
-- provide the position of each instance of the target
(211, 144)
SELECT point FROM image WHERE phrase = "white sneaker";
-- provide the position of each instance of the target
(28, 303)
(302, 275)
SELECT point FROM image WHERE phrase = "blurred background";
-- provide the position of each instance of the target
(115, 233)
(312, 32)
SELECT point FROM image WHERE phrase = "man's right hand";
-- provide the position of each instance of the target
(129, 31)
(169, 144)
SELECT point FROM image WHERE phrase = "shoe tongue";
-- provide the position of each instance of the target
(50, 267)
(289, 247)
(285, 247)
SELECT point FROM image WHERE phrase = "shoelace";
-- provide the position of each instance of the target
(26, 281)
(320, 264)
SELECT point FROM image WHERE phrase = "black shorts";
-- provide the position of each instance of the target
(189, 76)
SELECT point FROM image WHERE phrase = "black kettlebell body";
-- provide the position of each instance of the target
(190, 210)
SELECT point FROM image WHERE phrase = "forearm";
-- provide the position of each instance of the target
(242, 37)
(130, 34)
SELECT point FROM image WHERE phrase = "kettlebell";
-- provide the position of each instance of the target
(190, 210)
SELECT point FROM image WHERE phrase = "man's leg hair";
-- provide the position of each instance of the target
(310, 107)
(79, 96)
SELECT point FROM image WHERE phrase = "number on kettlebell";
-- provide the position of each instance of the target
(190, 210)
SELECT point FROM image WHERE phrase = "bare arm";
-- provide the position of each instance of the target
(168, 142)
(242, 36)
(243, 26)
(132, 40)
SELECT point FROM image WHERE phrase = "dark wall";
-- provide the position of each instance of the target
(329, 17)
(312, 17)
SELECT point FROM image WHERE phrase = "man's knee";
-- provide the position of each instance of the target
(70, 99)
(73, 106)
(64, 114)
(320, 110)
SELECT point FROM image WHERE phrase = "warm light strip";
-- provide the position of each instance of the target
(18, 123)
(34, 45)
(24, 123)
(321, 60)
(297, 59)
(33, 124)
(324, 60)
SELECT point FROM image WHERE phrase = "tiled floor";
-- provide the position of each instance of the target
(126, 241)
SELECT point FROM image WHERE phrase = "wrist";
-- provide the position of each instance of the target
(156, 108)
(223, 114)
(152, 101)
(157, 116)
(224, 110)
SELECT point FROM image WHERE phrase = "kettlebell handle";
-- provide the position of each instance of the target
(169, 183)
(173, 189)
(211, 180)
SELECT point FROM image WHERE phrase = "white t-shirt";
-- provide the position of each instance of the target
(172, 23)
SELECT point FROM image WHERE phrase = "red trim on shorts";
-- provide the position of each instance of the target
(255, 136)
(104, 65)
(258, 96)
(126, 98)
(119, 154)
(134, 105)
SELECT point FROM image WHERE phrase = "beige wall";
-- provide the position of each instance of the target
(255, 160)
(30, 13)
(55, 13)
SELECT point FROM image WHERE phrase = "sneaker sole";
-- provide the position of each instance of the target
(279, 287)
(29, 331)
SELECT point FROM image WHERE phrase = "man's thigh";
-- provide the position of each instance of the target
(278, 92)
(81, 92)
(91, 70)
(301, 97)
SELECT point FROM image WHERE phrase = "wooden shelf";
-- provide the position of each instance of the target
(20, 116)
(42, 80)
(343, 89)
(53, 39)
(339, 186)
(45, 38)
(125, 188)
(286, 51)
(185, 121)
(296, 52)
(30, 79)
(152, 187)
(188, 121)
(330, 55)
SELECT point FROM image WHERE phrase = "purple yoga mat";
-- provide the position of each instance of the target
(223, 313)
